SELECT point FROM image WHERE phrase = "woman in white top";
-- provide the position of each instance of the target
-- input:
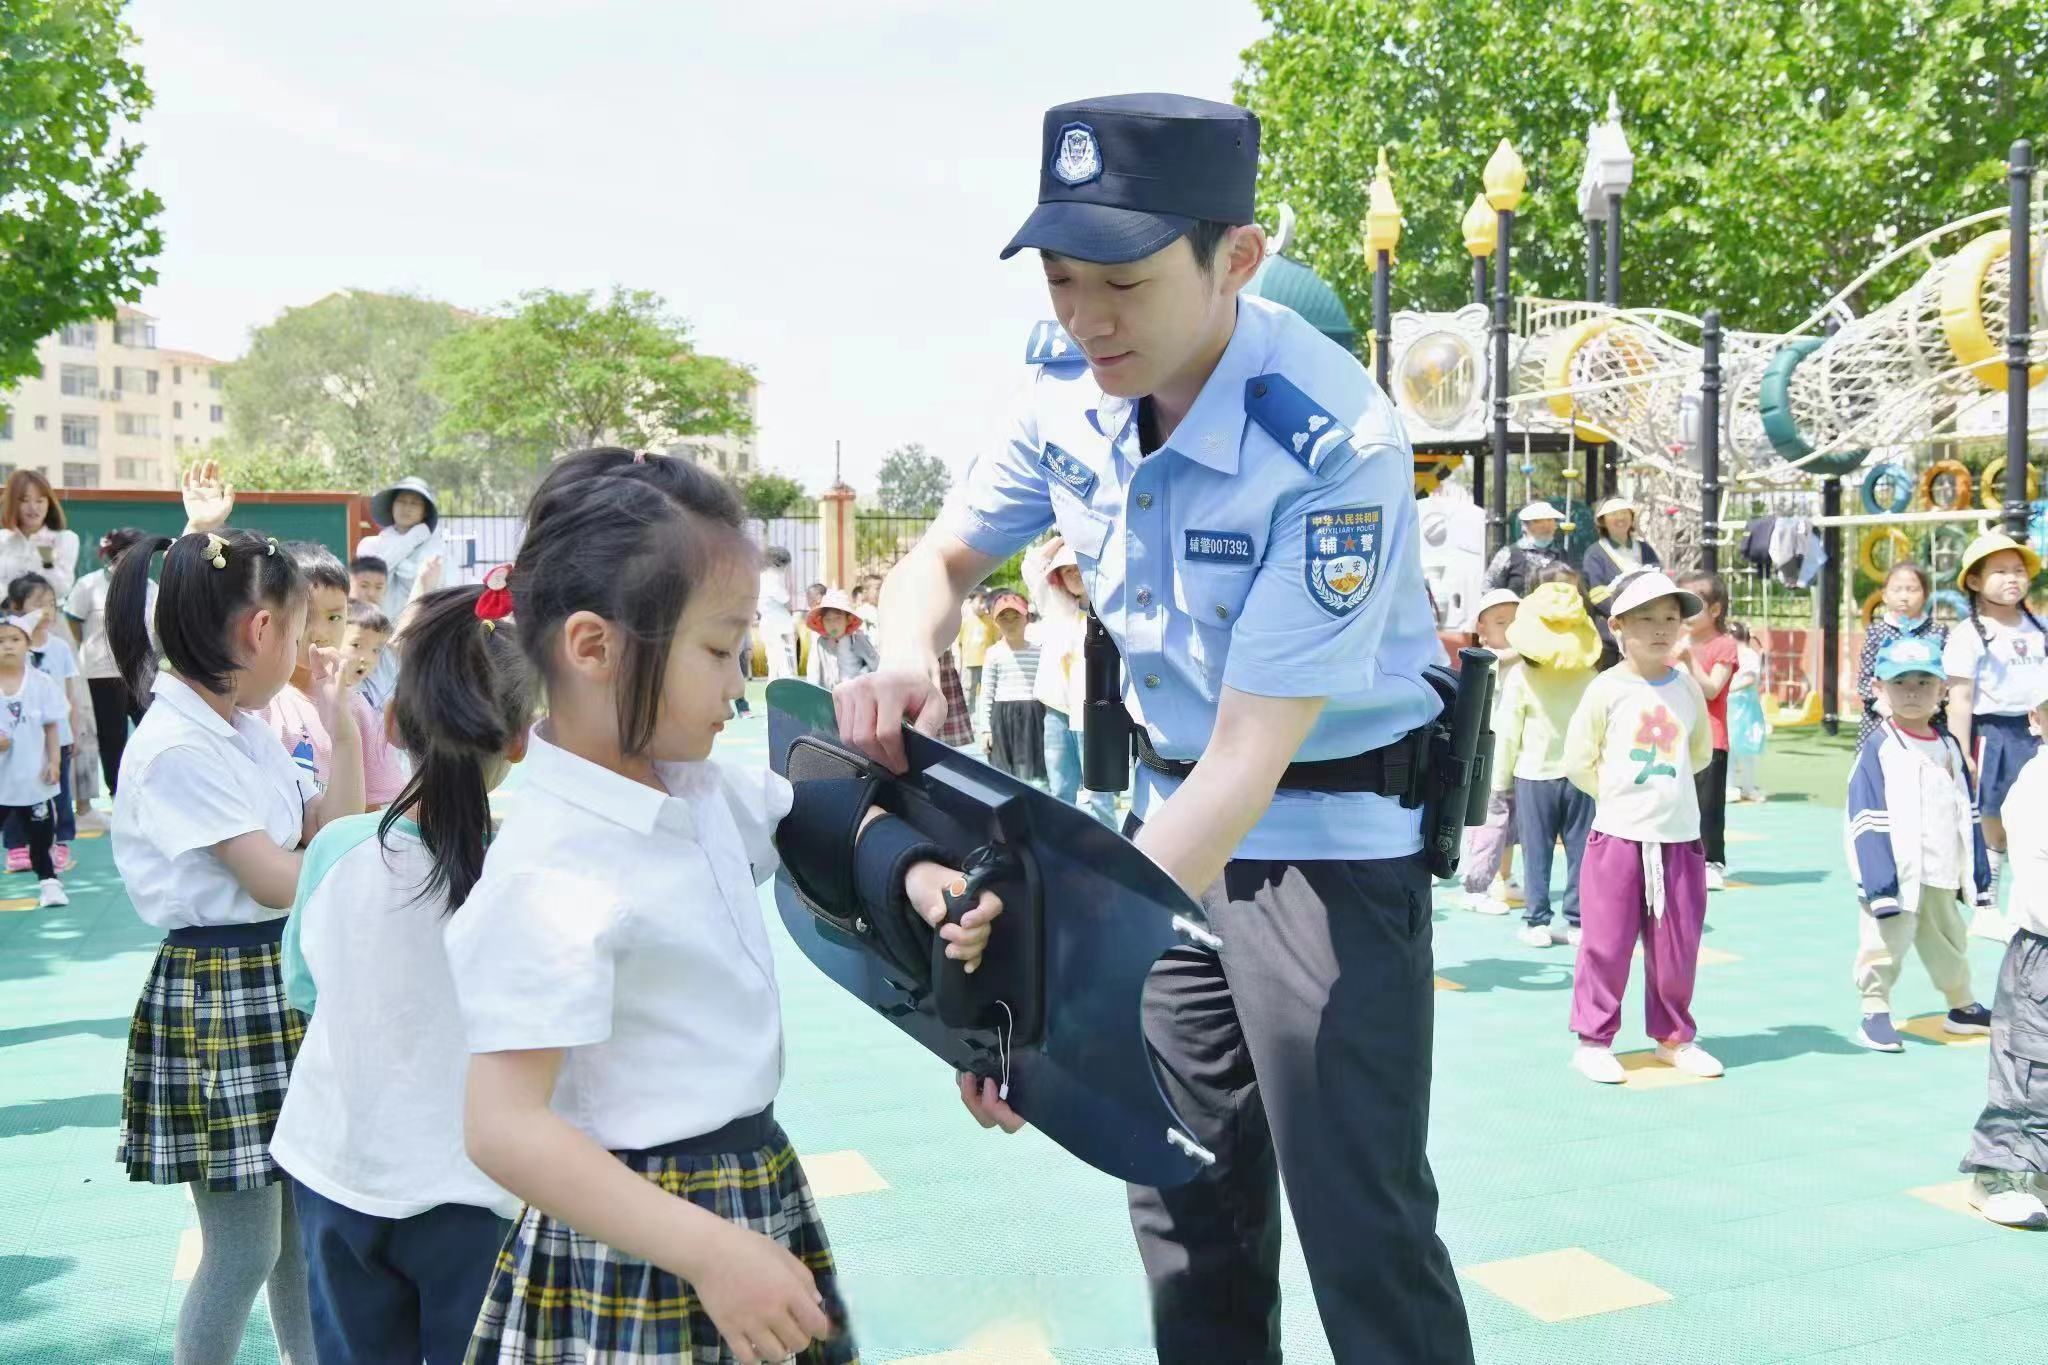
(208, 826)
(616, 980)
(408, 539)
(33, 538)
(401, 1230)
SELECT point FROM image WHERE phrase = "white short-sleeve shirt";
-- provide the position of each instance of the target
(60, 663)
(23, 714)
(2003, 670)
(625, 926)
(87, 604)
(190, 780)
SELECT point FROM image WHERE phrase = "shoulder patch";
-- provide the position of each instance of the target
(1340, 559)
(1293, 419)
(1050, 345)
(1058, 464)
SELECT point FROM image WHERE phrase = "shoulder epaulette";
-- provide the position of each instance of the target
(1294, 419)
(1050, 345)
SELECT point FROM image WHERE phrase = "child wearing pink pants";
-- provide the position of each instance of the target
(1635, 742)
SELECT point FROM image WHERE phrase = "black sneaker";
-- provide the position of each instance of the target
(1971, 1018)
(1878, 1035)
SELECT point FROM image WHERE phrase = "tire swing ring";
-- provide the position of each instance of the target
(1991, 490)
(1901, 550)
(1901, 485)
(1871, 606)
(1957, 473)
(1945, 546)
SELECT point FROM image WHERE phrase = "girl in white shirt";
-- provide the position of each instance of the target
(29, 755)
(49, 649)
(208, 825)
(615, 976)
(401, 1230)
(114, 707)
(1639, 735)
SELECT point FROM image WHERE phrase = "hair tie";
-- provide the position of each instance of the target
(271, 548)
(216, 550)
(494, 604)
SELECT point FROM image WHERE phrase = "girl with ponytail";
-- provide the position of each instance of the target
(208, 826)
(401, 1230)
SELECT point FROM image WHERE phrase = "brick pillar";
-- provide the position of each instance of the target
(836, 535)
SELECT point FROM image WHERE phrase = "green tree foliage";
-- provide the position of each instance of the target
(562, 371)
(76, 233)
(770, 495)
(341, 384)
(911, 482)
(272, 470)
(1780, 145)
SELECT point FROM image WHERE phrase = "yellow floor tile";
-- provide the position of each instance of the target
(1443, 983)
(1953, 1195)
(1928, 1026)
(85, 834)
(1010, 1343)
(1645, 1072)
(1556, 1286)
(187, 1263)
(1735, 884)
(1742, 836)
(1714, 957)
(21, 903)
(837, 1173)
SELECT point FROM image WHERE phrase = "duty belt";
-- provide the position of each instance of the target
(1397, 770)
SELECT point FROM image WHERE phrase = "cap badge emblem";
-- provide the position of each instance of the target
(1076, 157)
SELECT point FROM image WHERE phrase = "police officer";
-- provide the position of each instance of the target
(1238, 494)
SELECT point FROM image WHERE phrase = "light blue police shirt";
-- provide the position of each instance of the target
(1270, 545)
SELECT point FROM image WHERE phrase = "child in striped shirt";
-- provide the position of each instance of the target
(1012, 716)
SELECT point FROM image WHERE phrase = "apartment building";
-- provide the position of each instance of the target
(110, 409)
(737, 456)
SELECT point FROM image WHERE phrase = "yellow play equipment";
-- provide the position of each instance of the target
(1781, 718)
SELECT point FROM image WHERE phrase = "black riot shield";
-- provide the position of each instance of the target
(1055, 1004)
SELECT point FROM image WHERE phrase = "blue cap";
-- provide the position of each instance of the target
(1909, 654)
(1123, 176)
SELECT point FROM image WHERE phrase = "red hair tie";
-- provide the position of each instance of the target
(495, 602)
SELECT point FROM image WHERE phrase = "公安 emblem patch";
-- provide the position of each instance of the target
(1341, 556)
(1076, 156)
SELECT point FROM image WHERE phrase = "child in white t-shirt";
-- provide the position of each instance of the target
(30, 755)
(401, 1230)
(616, 980)
(49, 649)
(208, 826)
(1635, 742)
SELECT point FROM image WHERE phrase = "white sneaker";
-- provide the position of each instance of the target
(1481, 903)
(1690, 1058)
(53, 893)
(1717, 877)
(1572, 935)
(1990, 923)
(92, 819)
(1597, 1064)
(2003, 1197)
(1535, 935)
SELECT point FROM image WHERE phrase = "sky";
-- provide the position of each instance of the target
(819, 186)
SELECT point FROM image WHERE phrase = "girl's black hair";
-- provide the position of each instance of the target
(118, 540)
(20, 587)
(1715, 594)
(209, 583)
(1919, 571)
(1739, 630)
(464, 698)
(627, 537)
(369, 616)
(318, 565)
(1558, 571)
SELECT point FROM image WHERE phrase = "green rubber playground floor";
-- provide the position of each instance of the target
(1806, 1207)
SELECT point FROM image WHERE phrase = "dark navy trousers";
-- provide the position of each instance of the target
(1546, 811)
(396, 1289)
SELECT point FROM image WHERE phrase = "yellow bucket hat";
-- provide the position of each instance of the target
(1989, 544)
(1552, 628)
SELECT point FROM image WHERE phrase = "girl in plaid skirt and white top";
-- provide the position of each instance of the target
(208, 827)
(613, 970)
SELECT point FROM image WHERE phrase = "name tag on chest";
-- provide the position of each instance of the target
(1065, 469)
(1218, 547)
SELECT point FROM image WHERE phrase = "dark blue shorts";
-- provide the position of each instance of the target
(2001, 746)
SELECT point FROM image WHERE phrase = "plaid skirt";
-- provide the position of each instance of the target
(560, 1298)
(209, 1056)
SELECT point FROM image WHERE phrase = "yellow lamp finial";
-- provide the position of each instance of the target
(1479, 227)
(1505, 177)
(1383, 216)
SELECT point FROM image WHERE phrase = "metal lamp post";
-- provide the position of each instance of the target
(1504, 178)
(1610, 170)
(2020, 181)
(1382, 234)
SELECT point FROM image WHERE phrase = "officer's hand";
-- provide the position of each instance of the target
(873, 708)
(926, 884)
(990, 1110)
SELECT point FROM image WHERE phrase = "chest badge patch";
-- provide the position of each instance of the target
(1218, 547)
(1341, 556)
(1064, 468)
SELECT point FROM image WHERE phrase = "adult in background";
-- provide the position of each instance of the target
(409, 535)
(1617, 550)
(113, 706)
(33, 538)
(778, 622)
(1536, 549)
